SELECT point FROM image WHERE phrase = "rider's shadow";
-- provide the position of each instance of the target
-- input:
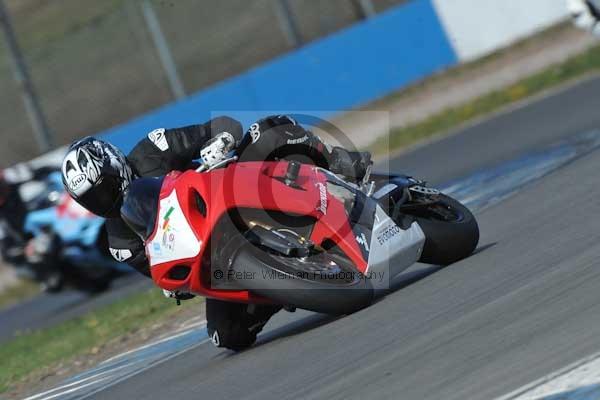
(314, 320)
(295, 327)
(423, 271)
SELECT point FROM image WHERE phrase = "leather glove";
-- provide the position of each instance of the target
(217, 148)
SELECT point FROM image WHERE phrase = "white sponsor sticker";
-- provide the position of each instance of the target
(215, 339)
(174, 238)
(76, 182)
(120, 254)
(362, 240)
(159, 139)
(388, 233)
(298, 141)
(255, 132)
(322, 198)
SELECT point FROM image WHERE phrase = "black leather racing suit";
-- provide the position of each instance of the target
(165, 150)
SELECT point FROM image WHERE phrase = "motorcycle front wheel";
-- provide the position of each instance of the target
(325, 282)
(451, 231)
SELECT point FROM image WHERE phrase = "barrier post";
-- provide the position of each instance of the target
(288, 23)
(33, 107)
(162, 48)
(366, 7)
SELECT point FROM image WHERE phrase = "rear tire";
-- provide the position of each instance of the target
(448, 241)
(290, 288)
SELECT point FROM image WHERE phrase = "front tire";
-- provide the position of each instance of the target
(451, 232)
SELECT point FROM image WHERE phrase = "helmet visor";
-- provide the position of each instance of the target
(103, 197)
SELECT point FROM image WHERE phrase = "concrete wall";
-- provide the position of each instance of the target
(478, 27)
(342, 71)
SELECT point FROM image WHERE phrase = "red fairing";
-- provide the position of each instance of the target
(247, 185)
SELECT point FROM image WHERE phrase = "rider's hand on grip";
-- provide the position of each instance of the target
(217, 148)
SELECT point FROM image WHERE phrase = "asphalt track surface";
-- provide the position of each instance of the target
(526, 304)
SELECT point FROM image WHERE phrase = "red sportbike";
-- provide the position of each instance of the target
(292, 234)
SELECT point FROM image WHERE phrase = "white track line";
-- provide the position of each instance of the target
(71, 390)
(111, 375)
(137, 372)
(549, 378)
(166, 339)
(68, 385)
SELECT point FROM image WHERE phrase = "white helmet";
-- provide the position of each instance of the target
(96, 174)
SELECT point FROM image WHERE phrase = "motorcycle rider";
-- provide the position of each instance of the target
(96, 174)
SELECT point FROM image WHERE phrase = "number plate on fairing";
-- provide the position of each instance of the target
(173, 238)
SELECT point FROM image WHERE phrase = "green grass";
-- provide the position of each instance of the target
(31, 352)
(585, 63)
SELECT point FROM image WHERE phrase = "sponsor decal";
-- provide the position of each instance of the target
(215, 339)
(168, 237)
(174, 238)
(388, 233)
(120, 254)
(298, 141)
(322, 198)
(159, 139)
(166, 218)
(76, 182)
(362, 240)
(254, 132)
(168, 240)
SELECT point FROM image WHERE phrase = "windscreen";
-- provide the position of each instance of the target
(140, 205)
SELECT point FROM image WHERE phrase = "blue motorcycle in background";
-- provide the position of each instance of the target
(66, 244)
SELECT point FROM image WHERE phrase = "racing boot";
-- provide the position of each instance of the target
(235, 325)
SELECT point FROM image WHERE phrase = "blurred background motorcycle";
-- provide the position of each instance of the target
(50, 239)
